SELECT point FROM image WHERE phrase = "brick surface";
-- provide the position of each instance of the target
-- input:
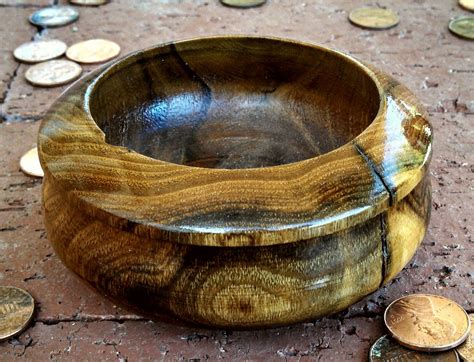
(74, 322)
(14, 30)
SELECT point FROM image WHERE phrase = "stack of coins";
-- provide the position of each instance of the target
(424, 327)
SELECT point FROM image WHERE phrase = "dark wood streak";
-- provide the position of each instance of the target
(385, 249)
(373, 166)
(236, 181)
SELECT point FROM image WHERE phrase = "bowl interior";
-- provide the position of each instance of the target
(233, 102)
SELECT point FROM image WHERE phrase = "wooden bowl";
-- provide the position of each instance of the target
(236, 181)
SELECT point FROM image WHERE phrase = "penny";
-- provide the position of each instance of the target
(53, 73)
(463, 27)
(426, 322)
(30, 163)
(386, 349)
(39, 51)
(54, 16)
(88, 2)
(467, 4)
(374, 18)
(466, 350)
(243, 3)
(16, 310)
(93, 51)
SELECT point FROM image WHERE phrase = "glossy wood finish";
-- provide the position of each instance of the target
(236, 182)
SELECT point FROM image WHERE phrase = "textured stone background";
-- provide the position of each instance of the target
(74, 322)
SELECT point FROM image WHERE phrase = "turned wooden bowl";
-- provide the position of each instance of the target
(236, 181)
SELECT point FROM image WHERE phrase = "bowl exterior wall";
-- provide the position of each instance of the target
(237, 287)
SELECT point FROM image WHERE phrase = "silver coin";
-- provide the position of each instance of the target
(40, 50)
(53, 73)
(54, 16)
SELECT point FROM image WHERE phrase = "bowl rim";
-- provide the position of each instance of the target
(387, 160)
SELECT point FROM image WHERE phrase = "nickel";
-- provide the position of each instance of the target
(30, 163)
(466, 350)
(53, 73)
(374, 18)
(39, 51)
(16, 310)
(243, 3)
(88, 2)
(93, 51)
(54, 16)
(386, 349)
(463, 27)
(426, 322)
(467, 4)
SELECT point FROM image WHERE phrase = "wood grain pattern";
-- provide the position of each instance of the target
(236, 181)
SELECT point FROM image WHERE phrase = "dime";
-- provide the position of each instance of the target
(88, 2)
(374, 18)
(243, 3)
(54, 16)
(466, 350)
(93, 51)
(467, 4)
(425, 322)
(39, 51)
(30, 163)
(16, 310)
(463, 27)
(386, 349)
(53, 73)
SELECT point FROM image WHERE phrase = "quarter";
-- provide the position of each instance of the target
(374, 18)
(463, 27)
(54, 16)
(93, 51)
(30, 164)
(53, 73)
(39, 51)
(243, 3)
(466, 350)
(16, 310)
(386, 349)
(426, 322)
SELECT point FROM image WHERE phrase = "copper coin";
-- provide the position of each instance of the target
(426, 322)
(467, 4)
(386, 349)
(54, 16)
(88, 2)
(39, 51)
(243, 3)
(30, 163)
(53, 73)
(16, 310)
(374, 18)
(466, 350)
(93, 51)
(463, 27)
